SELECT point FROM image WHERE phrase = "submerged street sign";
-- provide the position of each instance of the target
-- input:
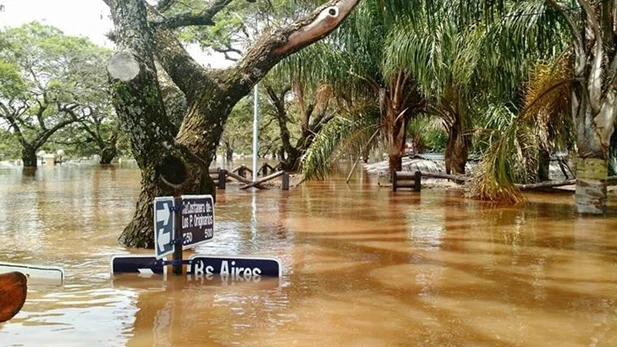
(163, 226)
(234, 267)
(197, 220)
(139, 264)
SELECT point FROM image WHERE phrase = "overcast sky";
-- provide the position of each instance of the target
(74, 17)
(79, 18)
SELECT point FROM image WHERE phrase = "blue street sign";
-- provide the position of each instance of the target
(234, 267)
(163, 226)
(197, 220)
(140, 264)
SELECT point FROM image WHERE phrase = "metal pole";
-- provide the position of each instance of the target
(177, 234)
(255, 130)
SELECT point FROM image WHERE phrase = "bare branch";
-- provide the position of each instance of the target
(227, 50)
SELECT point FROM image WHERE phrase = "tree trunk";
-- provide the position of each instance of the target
(291, 162)
(457, 148)
(544, 164)
(612, 168)
(591, 192)
(396, 129)
(229, 151)
(108, 154)
(28, 156)
(592, 161)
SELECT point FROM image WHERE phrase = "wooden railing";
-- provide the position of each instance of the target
(220, 177)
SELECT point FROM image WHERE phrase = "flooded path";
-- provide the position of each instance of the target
(362, 267)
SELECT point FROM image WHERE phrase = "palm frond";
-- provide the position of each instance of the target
(336, 138)
(507, 161)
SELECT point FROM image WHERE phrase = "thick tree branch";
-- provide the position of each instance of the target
(279, 43)
(184, 71)
(44, 136)
(192, 18)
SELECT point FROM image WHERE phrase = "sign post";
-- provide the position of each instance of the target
(177, 256)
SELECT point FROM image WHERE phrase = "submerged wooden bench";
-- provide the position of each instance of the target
(413, 180)
(13, 291)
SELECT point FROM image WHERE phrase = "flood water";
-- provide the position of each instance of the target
(362, 266)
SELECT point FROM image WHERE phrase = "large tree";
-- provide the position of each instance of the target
(172, 163)
(46, 83)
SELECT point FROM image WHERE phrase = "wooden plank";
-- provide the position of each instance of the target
(263, 180)
(545, 184)
(243, 180)
(411, 175)
(612, 180)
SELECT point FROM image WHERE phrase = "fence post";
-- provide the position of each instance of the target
(177, 236)
(394, 180)
(222, 178)
(418, 181)
(285, 183)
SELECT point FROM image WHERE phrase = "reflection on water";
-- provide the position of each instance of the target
(362, 267)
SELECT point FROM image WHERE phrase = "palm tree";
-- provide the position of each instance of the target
(590, 29)
(352, 63)
(443, 60)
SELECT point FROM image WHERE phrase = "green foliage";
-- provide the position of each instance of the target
(338, 137)
(506, 162)
(9, 146)
(427, 134)
(49, 81)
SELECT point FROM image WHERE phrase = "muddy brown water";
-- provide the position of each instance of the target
(362, 267)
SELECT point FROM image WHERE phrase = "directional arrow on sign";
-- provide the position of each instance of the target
(163, 226)
(162, 215)
(164, 238)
